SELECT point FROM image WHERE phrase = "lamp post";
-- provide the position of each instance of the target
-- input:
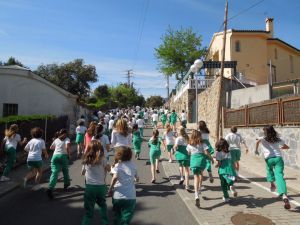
(195, 68)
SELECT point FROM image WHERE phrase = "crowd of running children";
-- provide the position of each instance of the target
(122, 131)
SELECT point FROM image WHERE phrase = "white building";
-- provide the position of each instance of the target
(24, 93)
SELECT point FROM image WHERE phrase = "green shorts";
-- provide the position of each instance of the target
(196, 170)
(184, 163)
(153, 155)
(79, 138)
(169, 148)
(34, 164)
(235, 155)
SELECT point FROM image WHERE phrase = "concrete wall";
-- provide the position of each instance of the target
(291, 136)
(248, 95)
(34, 95)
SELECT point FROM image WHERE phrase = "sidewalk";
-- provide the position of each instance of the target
(253, 198)
(20, 172)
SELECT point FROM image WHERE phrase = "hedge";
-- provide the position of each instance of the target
(18, 118)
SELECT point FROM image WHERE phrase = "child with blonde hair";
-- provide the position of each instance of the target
(94, 169)
(168, 141)
(9, 144)
(182, 156)
(198, 151)
(121, 135)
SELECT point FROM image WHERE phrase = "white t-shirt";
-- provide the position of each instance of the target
(104, 141)
(205, 136)
(155, 117)
(234, 140)
(60, 146)
(12, 141)
(81, 129)
(180, 141)
(140, 123)
(169, 138)
(271, 149)
(199, 149)
(95, 174)
(125, 187)
(183, 116)
(120, 140)
(146, 115)
(34, 148)
(222, 155)
(111, 124)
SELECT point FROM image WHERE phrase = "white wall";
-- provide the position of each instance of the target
(250, 95)
(33, 94)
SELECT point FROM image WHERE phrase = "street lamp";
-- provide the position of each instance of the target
(195, 68)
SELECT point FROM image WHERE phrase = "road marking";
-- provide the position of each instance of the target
(267, 189)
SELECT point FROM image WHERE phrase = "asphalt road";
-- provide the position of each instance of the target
(157, 204)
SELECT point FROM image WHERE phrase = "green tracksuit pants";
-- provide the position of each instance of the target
(225, 184)
(11, 159)
(123, 211)
(59, 162)
(95, 194)
(275, 167)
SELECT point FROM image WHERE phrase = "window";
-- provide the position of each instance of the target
(10, 109)
(291, 64)
(275, 53)
(237, 46)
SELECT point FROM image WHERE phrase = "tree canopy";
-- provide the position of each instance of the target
(154, 101)
(178, 51)
(122, 95)
(75, 77)
(12, 61)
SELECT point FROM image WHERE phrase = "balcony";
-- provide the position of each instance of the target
(182, 87)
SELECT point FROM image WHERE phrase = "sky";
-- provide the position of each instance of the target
(117, 35)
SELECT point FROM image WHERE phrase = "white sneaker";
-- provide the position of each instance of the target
(233, 191)
(170, 160)
(4, 178)
(226, 200)
(37, 187)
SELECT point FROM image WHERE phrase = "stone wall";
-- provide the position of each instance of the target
(207, 106)
(291, 136)
(185, 102)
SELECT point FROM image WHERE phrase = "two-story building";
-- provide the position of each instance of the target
(255, 51)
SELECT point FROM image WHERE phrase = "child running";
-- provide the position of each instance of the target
(136, 141)
(226, 171)
(163, 119)
(35, 148)
(94, 168)
(205, 137)
(121, 135)
(60, 160)
(9, 144)
(103, 140)
(198, 149)
(122, 187)
(182, 156)
(173, 120)
(235, 140)
(271, 148)
(154, 154)
(80, 131)
(89, 135)
(140, 122)
(168, 141)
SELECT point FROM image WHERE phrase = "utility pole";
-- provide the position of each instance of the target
(129, 74)
(219, 130)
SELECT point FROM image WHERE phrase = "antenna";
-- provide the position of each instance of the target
(129, 74)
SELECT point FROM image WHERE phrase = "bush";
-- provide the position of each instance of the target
(18, 118)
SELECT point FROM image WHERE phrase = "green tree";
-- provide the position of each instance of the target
(178, 51)
(154, 101)
(12, 61)
(75, 77)
(102, 91)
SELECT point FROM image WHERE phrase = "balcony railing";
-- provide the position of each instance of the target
(191, 84)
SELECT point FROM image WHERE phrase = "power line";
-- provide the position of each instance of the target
(129, 74)
(145, 8)
(245, 10)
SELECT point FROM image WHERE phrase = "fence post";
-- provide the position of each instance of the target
(246, 116)
(280, 112)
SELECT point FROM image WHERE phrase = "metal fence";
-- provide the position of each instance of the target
(279, 112)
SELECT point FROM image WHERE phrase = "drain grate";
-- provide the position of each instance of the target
(250, 219)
